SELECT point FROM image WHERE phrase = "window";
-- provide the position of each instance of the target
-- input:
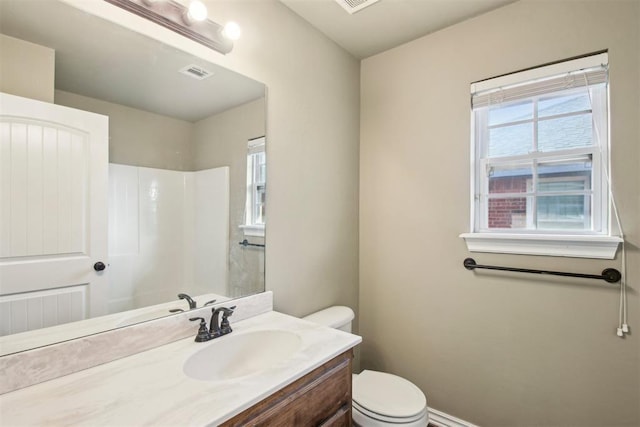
(564, 211)
(256, 188)
(540, 149)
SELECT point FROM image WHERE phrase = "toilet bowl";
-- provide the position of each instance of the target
(379, 399)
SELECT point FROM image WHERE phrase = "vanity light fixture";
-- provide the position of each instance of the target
(196, 11)
(232, 31)
(190, 22)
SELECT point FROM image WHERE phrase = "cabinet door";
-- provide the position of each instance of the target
(320, 398)
(340, 418)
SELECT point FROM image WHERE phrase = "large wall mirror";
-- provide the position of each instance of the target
(184, 201)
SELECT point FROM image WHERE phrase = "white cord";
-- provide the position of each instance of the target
(623, 327)
(623, 284)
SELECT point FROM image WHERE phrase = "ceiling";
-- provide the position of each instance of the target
(102, 60)
(386, 23)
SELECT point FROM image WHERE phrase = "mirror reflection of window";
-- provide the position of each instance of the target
(256, 187)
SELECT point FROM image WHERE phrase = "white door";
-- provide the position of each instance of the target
(53, 213)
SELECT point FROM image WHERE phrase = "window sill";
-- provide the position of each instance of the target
(603, 247)
(253, 230)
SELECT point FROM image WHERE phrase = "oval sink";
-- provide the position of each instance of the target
(238, 355)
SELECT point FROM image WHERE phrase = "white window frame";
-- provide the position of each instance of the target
(594, 243)
(599, 192)
(252, 226)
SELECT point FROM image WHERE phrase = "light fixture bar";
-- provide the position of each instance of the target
(170, 14)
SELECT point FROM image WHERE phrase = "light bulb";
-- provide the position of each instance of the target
(197, 11)
(232, 31)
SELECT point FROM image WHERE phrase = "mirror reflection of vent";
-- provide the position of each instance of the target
(196, 72)
(353, 6)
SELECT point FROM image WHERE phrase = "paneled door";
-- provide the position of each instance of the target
(53, 214)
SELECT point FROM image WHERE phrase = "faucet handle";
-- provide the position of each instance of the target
(203, 332)
(209, 302)
(227, 311)
(176, 310)
(225, 327)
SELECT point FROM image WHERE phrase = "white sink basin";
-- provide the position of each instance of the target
(241, 354)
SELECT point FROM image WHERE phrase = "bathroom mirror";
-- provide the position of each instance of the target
(186, 186)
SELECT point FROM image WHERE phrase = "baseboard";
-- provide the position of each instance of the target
(441, 419)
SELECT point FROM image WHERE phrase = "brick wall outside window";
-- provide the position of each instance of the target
(508, 212)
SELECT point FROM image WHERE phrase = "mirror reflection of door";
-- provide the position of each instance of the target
(53, 211)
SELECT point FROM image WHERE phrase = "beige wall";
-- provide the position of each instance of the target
(493, 349)
(137, 137)
(26, 69)
(312, 153)
(221, 140)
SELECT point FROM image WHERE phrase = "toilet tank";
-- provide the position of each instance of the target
(337, 317)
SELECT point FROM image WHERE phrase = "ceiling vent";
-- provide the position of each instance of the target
(353, 6)
(196, 72)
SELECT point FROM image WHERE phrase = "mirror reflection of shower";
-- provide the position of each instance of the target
(168, 233)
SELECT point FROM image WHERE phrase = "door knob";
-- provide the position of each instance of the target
(99, 266)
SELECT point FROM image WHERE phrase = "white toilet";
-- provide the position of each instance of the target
(379, 399)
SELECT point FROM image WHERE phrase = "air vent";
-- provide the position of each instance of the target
(196, 72)
(353, 6)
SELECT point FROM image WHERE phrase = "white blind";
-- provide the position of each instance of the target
(256, 145)
(538, 81)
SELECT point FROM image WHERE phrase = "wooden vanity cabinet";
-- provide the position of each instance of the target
(320, 398)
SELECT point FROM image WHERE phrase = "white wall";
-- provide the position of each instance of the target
(210, 226)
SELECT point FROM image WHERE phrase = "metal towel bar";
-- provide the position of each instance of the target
(610, 275)
(246, 243)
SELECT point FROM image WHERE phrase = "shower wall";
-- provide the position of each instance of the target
(222, 140)
(168, 233)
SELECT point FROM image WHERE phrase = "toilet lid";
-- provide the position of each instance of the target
(387, 395)
(388, 420)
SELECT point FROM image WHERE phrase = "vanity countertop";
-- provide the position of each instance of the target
(150, 388)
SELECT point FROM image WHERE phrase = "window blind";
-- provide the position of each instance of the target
(256, 145)
(584, 72)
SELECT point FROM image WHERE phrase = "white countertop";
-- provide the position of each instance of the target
(150, 388)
